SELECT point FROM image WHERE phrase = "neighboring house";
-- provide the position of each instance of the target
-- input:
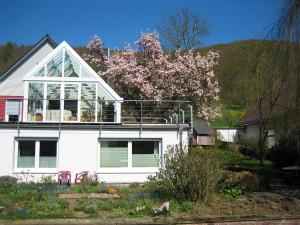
(57, 114)
(249, 126)
(227, 134)
(203, 134)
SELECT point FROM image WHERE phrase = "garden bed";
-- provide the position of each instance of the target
(88, 196)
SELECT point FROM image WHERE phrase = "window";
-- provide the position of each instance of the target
(13, 110)
(26, 154)
(129, 154)
(114, 154)
(54, 67)
(35, 101)
(87, 104)
(47, 157)
(105, 107)
(145, 153)
(71, 66)
(53, 102)
(37, 154)
(71, 102)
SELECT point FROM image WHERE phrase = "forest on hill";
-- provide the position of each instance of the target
(234, 71)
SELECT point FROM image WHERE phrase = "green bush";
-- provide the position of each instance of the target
(232, 191)
(190, 175)
(90, 208)
(7, 181)
(186, 206)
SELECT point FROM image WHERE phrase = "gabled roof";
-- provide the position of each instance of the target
(45, 40)
(252, 114)
(67, 48)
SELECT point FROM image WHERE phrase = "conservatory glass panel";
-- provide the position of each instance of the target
(145, 153)
(88, 102)
(53, 102)
(40, 73)
(72, 67)
(114, 154)
(85, 74)
(54, 67)
(26, 154)
(105, 107)
(71, 102)
(35, 101)
(48, 152)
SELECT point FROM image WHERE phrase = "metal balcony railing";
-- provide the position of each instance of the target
(39, 110)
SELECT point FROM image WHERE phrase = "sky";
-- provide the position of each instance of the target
(120, 22)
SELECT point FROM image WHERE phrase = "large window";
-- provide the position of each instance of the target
(64, 90)
(37, 154)
(35, 101)
(71, 102)
(105, 106)
(48, 151)
(72, 67)
(141, 153)
(145, 153)
(88, 102)
(54, 67)
(53, 102)
(26, 154)
(114, 154)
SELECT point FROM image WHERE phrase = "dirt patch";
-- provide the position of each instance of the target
(258, 204)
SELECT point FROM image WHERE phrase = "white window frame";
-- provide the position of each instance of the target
(20, 109)
(36, 168)
(129, 169)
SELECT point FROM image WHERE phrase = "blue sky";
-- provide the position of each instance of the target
(118, 22)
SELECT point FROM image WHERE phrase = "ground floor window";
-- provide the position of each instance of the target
(114, 154)
(145, 153)
(129, 153)
(36, 153)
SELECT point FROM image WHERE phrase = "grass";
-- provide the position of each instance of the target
(230, 116)
(234, 158)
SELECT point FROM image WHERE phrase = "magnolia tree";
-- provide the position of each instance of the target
(95, 54)
(150, 73)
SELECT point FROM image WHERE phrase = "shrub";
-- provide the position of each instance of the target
(249, 180)
(284, 153)
(188, 175)
(135, 185)
(231, 191)
(90, 208)
(186, 206)
(7, 181)
(48, 180)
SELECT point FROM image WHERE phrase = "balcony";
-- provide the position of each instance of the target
(99, 111)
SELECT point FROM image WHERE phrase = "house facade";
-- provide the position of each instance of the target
(57, 114)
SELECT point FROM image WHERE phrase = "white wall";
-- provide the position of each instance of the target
(226, 135)
(79, 150)
(252, 131)
(13, 85)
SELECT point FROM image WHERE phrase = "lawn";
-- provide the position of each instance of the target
(230, 116)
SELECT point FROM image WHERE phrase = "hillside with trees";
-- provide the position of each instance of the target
(233, 72)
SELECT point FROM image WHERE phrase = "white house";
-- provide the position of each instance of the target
(57, 114)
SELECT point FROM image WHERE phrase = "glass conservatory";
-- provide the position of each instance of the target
(65, 89)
